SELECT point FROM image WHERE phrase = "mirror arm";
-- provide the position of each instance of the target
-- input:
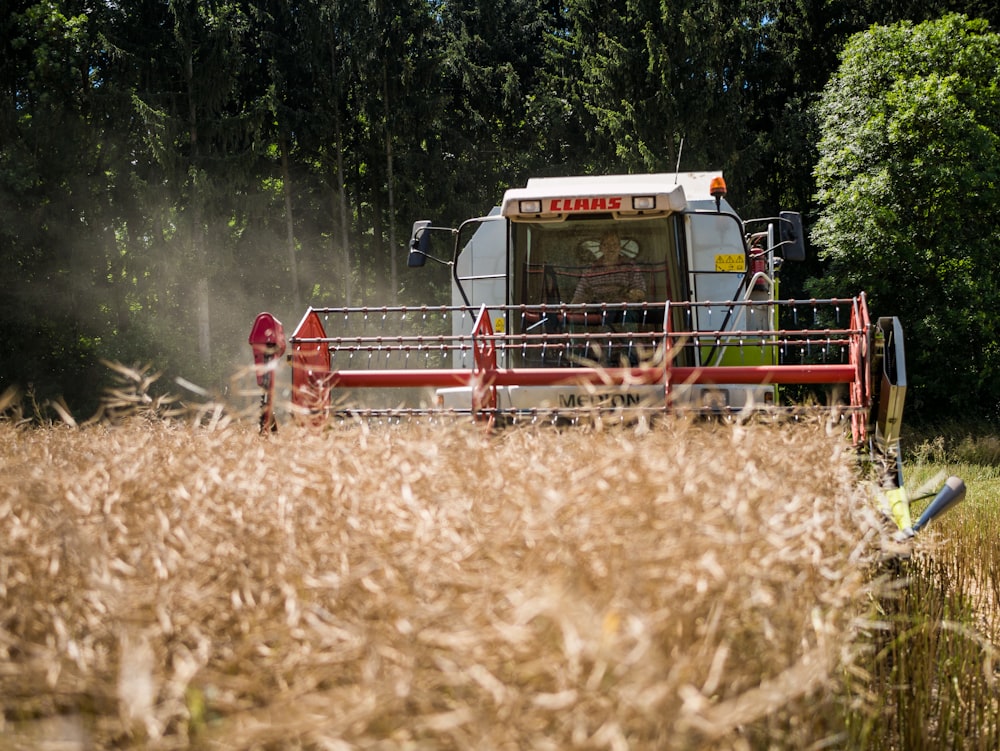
(433, 258)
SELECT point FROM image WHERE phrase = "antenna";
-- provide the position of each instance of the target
(680, 150)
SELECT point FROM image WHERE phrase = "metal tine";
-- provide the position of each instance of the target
(523, 329)
(378, 349)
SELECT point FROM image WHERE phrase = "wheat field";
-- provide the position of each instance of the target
(176, 584)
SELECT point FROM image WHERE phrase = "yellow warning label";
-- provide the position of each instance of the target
(498, 325)
(730, 262)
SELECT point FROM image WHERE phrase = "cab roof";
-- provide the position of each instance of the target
(556, 198)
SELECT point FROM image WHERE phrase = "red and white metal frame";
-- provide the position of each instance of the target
(314, 378)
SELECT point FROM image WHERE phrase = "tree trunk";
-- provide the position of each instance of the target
(286, 180)
(376, 255)
(365, 254)
(202, 306)
(339, 197)
(393, 271)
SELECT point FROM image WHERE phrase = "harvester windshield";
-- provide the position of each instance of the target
(597, 261)
(581, 264)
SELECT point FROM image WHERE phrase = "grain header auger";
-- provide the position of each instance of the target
(619, 297)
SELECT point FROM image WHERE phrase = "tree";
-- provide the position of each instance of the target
(909, 188)
(491, 76)
(654, 73)
(798, 52)
(58, 183)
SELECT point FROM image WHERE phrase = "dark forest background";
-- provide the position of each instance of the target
(169, 169)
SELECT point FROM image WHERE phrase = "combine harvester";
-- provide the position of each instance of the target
(621, 297)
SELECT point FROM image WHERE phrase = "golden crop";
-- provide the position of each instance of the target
(428, 586)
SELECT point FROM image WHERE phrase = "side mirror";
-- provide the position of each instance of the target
(793, 244)
(420, 244)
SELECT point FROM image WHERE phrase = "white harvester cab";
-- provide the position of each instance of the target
(678, 239)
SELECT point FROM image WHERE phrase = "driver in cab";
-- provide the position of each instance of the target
(611, 279)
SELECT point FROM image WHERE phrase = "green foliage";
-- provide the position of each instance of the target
(908, 168)
(654, 74)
